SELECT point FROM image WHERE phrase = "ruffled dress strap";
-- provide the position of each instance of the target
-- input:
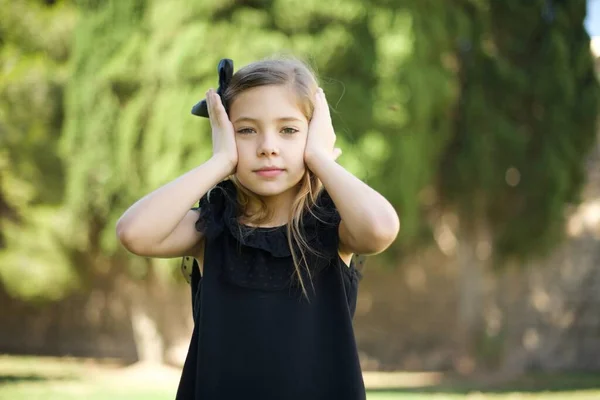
(258, 257)
(321, 226)
(216, 207)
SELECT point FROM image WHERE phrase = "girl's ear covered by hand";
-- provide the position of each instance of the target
(321, 135)
(223, 134)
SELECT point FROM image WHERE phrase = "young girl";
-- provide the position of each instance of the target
(278, 223)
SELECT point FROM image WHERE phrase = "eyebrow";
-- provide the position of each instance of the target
(254, 120)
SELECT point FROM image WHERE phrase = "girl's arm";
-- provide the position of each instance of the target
(162, 223)
(369, 222)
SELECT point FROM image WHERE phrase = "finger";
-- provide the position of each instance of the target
(316, 105)
(209, 106)
(323, 103)
(321, 111)
(219, 110)
(336, 153)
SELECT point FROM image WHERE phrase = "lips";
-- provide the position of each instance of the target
(269, 171)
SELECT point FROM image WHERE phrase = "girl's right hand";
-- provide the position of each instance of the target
(223, 134)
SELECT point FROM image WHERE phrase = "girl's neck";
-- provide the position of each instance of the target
(279, 208)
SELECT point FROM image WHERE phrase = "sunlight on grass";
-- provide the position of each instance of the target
(480, 396)
(37, 378)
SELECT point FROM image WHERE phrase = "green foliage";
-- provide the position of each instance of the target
(33, 73)
(37, 265)
(483, 108)
(415, 93)
(33, 261)
(524, 123)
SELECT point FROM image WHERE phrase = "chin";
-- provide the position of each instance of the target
(267, 188)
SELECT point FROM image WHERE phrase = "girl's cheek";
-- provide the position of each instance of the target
(301, 147)
(243, 148)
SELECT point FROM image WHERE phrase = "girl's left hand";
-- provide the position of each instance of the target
(321, 136)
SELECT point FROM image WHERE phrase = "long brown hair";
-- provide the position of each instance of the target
(297, 75)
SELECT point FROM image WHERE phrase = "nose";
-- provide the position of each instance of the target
(268, 145)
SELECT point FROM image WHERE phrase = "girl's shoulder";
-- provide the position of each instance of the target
(321, 226)
(220, 194)
(217, 207)
(325, 210)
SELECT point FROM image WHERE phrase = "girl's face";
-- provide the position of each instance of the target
(271, 133)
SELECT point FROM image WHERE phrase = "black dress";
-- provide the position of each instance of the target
(256, 336)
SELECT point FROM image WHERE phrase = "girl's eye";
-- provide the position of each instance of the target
(245, 131)
(289, 131)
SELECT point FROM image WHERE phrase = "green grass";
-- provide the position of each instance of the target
(33, 378)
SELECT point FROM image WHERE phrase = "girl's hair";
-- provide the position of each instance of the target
(301, 79)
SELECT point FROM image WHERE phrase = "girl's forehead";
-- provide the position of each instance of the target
(271, 102)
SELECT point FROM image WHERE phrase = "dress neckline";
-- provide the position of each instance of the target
(262, 228)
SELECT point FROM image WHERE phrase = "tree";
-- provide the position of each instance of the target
(523, 123)
(32, 258)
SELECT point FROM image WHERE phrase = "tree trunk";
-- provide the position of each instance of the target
(473, 257)
(146, 330)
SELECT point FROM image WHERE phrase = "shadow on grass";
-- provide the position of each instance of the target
(15, 379)
(532, 383)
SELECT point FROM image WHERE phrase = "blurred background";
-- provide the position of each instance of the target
(477, 119)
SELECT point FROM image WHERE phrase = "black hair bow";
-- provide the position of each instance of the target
(225, 70)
